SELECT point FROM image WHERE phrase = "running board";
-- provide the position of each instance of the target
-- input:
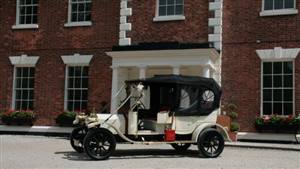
(160, 142)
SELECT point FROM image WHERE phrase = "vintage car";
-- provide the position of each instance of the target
(165, 109)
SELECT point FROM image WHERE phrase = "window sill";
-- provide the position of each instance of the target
(75, 24)
(278, 12)
(25, 26)
(169, 18)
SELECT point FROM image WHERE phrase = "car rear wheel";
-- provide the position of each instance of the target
(99, 144)
(76, 138)
(180, 147)
(210, 143)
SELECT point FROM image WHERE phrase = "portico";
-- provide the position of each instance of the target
(128, 65)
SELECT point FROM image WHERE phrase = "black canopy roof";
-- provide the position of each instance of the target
(178, 79)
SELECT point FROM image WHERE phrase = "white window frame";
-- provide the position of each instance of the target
(262, 85)
(67, 84)
(158, 18)
(22, 26)
(275, 12)
(74, 24)
(13, 105)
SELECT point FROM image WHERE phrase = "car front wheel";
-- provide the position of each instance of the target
(99, 144)
(210, 143)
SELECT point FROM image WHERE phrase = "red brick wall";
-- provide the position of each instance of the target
(51, 41)
(241, 71)
(193, 29)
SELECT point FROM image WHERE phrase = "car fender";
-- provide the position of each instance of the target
(204, 126)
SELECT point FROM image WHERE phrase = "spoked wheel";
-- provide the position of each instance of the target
(99, 144)
(76, 138)
(180, 147)
(210, 143)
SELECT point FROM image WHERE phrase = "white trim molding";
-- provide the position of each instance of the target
(125, 12)
(169, 18)
(278, 53)
(77, 59)
(74, 24)
(279, 12)
(24, 60)
(216, 23)
(25, 26)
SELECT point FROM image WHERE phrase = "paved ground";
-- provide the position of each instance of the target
(38, 152)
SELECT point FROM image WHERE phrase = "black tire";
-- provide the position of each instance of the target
(210, 143)
(77, 137)
(181, 147)
(99, 144)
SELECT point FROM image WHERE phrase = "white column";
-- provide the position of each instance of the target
(206, 72)
(142, 74)
(114, 89)
(176, 69)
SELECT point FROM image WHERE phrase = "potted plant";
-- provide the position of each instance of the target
(228, 120)
(20, 117)
(278, 124)
(66, 119)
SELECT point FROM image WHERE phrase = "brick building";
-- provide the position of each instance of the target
(260, 62)
(57, 55)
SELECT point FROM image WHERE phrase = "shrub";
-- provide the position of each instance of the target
(65, 119)
(233, 115)
(18, 117)
(277, 120)
(234, 126)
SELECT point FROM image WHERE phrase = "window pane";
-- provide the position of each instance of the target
(277, 68)
(74, 17)
(25, 72)
(71, 71)
(18, 82)
(34, 1)
(34, 19)
(70, 94)
(74, 8)
(22, 10)
(162, 2)
(77, 94)
(288, 109)
(28, 19)
(84, 95)
(80, 17)
(19, 72)
(32, 72)
(170, 2)
(31, 83)
(83, 105)
(18, 105)
(88, 17)
(288, 94)
(71, 83)
(170, 10)
(277, 81)
(288, 67)
(34, 10)
(88, 7)
(18, 94)
(288, 81)
(278, 4)
(81, 8)
(267, 68)
(267, 108)
(179, 10)
(179, 2)
(277, 109)
(77, 106)
(22, 2)
(28, 2)
(30, 105)
(268, 4)
(29, 10)
(267, 95)
(24, 105)
(77, 83)
(84, 82)
(70, 105)
(77, 71)
(31, 97)
(267, 81)
(277, 95)
(162, 11)
(25, 83)
(289, 4)
(25, 95)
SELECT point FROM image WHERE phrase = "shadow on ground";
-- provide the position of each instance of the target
(133, 154)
